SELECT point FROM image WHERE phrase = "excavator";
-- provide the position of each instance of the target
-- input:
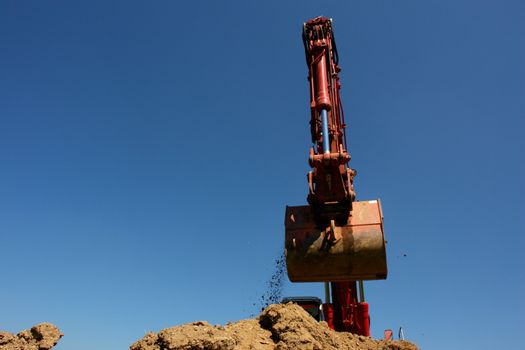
(335, 239)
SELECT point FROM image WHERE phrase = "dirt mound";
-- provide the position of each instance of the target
(279, 327)
(41, 337)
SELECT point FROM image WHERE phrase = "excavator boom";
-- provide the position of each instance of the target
(334, 238)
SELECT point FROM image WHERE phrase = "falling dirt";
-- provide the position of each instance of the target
(278, 327)
(274, 285)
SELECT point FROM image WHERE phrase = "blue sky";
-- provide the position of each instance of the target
(148, 150)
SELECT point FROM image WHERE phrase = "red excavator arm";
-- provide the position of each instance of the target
(335, 238)
(330, 181)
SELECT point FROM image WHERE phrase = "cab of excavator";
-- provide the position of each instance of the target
(312, 305)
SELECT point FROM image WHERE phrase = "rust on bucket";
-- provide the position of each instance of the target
(350, 252)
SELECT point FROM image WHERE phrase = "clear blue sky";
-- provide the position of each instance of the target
(148, 150)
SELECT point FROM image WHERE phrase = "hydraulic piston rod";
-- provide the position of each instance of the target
(326, 137)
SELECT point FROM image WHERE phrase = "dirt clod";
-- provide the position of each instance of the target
(278, 327)
(41, 337)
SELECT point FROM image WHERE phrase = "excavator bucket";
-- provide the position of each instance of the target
(355, 251)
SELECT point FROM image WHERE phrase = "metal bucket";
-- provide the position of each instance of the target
(355, 251)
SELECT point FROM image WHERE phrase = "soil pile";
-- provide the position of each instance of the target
(279, 327)
(41, 337)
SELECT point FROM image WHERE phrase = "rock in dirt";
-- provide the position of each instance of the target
(41, 337)
(278, 327)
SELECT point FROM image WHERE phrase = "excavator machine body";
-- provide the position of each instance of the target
(335, 238)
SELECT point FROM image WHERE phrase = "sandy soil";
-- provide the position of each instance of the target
(41, 337)
(279, 327)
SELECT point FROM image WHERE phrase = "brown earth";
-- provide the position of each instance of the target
(41, 337)
(279, 327)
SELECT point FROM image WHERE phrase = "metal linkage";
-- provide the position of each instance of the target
(329, 181)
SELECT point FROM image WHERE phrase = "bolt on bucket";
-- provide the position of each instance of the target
(355, 251)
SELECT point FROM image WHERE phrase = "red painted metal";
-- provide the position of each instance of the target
(321, 239)
(344, 298)
(349, 314)
(363, 319)
(330, 181)
(322, 95)
(328, 313)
